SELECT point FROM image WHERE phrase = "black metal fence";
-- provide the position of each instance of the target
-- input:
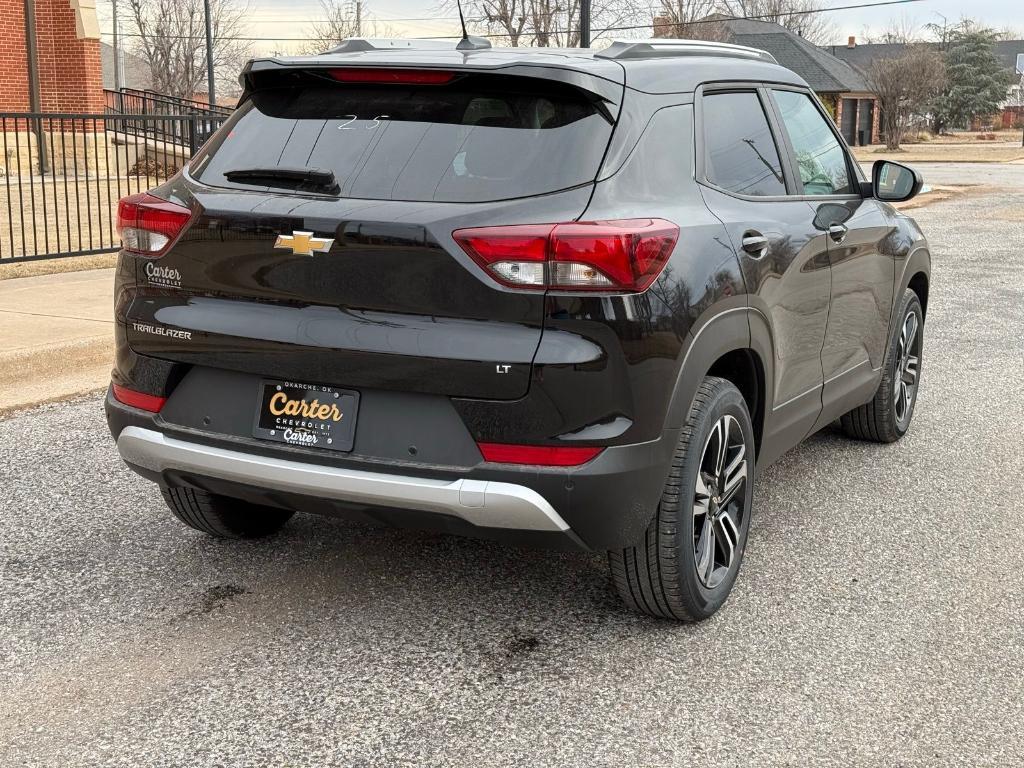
(204, 119)
(62, 174)
(133, 101)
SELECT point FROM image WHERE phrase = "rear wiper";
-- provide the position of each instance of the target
(290, 178)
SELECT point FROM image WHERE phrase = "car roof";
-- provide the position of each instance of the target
(663, 66)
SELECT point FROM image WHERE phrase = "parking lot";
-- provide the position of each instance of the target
(878, 618)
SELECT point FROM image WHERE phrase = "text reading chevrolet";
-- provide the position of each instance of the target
(562, 297)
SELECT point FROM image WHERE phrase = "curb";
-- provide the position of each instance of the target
(54, 372)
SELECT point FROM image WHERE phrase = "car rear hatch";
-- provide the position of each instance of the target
(319, 247)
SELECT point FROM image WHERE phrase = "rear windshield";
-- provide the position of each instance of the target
(478, 138)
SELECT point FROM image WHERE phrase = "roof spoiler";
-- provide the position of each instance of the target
(367, 44)
(599, 85)
(664, 47)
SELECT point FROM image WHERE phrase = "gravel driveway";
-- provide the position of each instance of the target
(878, 619)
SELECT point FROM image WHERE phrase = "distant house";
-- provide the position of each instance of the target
(135, 70)
(841, 88)
(860, 56)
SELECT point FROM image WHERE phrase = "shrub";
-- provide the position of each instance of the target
(149, 167)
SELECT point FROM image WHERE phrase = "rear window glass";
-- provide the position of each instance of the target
(478, 138)
(741, 154)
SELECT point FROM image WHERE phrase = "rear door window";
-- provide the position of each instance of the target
(478, 138)
(740, 153)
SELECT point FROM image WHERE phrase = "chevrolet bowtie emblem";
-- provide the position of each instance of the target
(304, 244)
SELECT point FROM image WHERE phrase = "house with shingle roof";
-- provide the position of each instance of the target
(840, 87)
(860, 56)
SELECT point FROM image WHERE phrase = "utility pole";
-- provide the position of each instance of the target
(31, 50)
(584, 23)
(118, 70)
(359, 18)
(210, 92)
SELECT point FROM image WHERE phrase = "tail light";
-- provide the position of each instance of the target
(148, 224)
(392, 76)
(141, 400)
(542, 455)
(624, 255)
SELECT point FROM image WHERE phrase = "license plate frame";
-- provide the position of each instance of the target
(307, 416)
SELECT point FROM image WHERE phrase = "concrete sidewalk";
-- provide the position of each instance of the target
(56, 336)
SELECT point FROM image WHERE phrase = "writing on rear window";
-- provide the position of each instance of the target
(479, 138)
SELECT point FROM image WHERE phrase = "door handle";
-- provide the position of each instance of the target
(837, 232)
(755, 244)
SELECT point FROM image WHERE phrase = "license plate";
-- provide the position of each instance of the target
(307, 415)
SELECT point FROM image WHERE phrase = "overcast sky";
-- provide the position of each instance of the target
(279, 23)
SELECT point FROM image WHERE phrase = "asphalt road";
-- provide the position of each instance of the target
(878, 619)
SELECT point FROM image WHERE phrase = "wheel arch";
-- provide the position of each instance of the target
(916, 276)
(918, 283)
(734, 345)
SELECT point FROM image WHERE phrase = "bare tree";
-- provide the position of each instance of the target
(171, 36)
(557, 22)
(801, 16)
(904, 85)
(548, 23)
(901, 31)
(506, 20)
(690, 20)
(506, 17)
(341, 20)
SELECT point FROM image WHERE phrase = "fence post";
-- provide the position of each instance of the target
(40, 146)
(192, 130)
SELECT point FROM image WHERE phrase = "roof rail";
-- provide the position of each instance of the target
(669, 47)
(360, 44)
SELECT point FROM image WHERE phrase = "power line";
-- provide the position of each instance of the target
(651, 26)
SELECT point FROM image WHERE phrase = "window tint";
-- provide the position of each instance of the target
(480, 138)
(741, 154)
(819, 157)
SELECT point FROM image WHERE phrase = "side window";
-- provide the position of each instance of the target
(820, 159)
(741, 155)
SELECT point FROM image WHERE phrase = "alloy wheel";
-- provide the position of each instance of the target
(908, 357)
(719, 501)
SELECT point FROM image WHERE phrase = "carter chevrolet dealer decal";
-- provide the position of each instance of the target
(168, 277)
(159, 330)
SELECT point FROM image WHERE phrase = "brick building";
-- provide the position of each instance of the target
(860, 56)
(68, 46)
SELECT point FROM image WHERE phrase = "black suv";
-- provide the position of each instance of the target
(549, 296)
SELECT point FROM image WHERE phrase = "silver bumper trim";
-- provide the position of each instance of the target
(481, 502)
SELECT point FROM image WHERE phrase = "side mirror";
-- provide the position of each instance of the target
(894, 183)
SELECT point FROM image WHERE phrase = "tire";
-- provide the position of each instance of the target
(886, 418)
(222, 516)
(659, 576)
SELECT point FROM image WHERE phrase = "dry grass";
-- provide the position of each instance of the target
(57, 215)
(1008, 136)
(53, 266)
(945, 152)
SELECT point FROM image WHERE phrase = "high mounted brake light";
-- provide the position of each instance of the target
(148, 224)
(620, 256)
(392, 76)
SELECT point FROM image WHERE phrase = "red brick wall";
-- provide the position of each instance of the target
(13, 70)
(70, 74)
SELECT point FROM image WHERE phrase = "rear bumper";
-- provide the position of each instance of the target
(482, 503)
(604, 504)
